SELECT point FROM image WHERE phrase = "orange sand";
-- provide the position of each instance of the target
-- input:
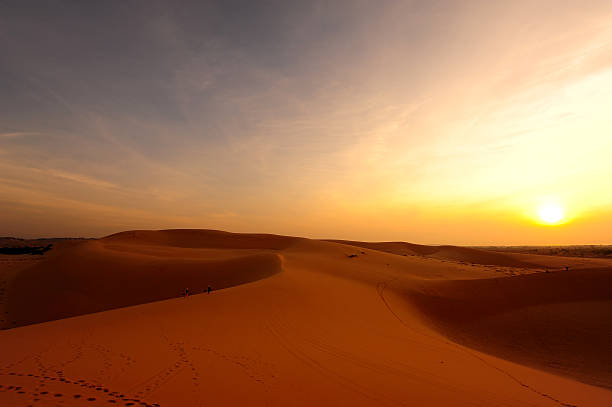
(299, 322)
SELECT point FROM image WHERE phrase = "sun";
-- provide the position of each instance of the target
(551, 213)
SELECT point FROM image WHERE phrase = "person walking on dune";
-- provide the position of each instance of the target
(186, 292)
(208, 291)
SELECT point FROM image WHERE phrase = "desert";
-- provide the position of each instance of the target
(305, 203)
(295, 321)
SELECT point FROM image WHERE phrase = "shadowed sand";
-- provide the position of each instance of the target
(132, 268)
(317, 322)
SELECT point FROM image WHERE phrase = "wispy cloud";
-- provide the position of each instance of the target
(18, 134)
(83, 179)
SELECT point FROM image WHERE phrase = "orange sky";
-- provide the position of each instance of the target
(430, 122)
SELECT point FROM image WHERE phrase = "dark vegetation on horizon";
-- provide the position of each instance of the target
(17, 246)
(599, 251)
(39, 250)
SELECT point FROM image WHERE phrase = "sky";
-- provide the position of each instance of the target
(437, 122)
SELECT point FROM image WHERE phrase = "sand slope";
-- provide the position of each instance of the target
(479, 256)
(201, 238)
(452, 253)
(327, 329)
(137, 267)
(558, 321)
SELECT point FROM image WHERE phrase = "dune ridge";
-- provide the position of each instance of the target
(445, 252)
(202, 238)
(111, 273)
(479, 256)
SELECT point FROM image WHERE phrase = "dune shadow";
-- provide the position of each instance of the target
(557, 321)
(91, 278)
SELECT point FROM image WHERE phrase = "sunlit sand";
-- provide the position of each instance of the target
(293, 321)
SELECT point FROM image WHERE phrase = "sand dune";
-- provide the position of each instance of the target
(400, 248)
(316, 327)
(557, 321)
(111, 273)
(200, 238)
(452, 253)
(478, 256)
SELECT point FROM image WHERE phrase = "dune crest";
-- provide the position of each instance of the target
(202, 238)
(446, 252)
(132, 268)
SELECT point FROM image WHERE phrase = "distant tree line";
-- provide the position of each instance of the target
(40, 250)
